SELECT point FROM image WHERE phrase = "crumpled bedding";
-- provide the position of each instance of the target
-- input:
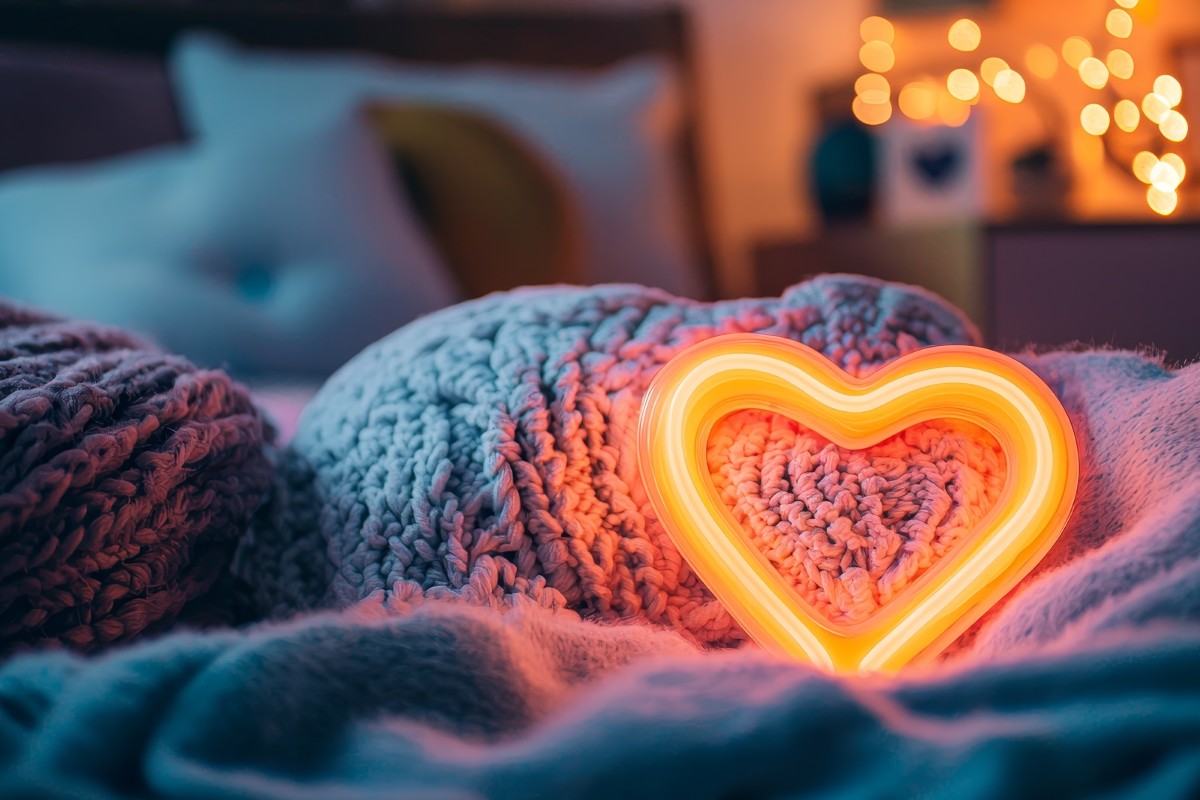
(1080, 682)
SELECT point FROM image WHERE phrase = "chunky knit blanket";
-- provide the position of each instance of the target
(127, 477)
(488, 452)
(1081, 683)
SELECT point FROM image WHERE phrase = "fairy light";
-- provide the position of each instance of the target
(1177, 164)
(877, 29)
(1042, 61)
(1126, 115)
(1074, 50)
(1143, 165)
(918, 101)
(1165, 177)
(1170, 89)
(1009, 86)
(1093, 73)
(877, 56)
(1118, 23)
(1095, 119)
(965, 35)
(1127, 3)
(1120, 64)
(951, 111)
(1174, 126)
(990, 68)
(1156, 107)
(873, 89)
(1161, 202)
(871, 113)
(963, 85)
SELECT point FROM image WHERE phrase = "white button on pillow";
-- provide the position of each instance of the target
(281, 254)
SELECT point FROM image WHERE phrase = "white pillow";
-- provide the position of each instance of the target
(611, 135)
(267, 255)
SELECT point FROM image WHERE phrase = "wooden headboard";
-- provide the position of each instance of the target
(585, 39)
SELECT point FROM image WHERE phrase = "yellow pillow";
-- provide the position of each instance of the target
(498, 215)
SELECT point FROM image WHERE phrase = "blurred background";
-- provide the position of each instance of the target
(269, 186)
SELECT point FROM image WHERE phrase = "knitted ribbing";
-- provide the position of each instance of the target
(126, 476)
(850, 529)
(489, 450)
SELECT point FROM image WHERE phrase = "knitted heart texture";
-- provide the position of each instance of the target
(488, 453)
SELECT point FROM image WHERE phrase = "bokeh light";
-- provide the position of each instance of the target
(965, 35)
(1120, 64)
(1009, 86)
(1161, 202)
(1174, 126)
(951, 111)
(877, 56)
(1127, 3)
(877, 29)
(1127, 116)
(1165, 177)
(1168, 86)
(1155, 107)
(963, 85)
(1042, 61)
(1095, 119)
(873, 89)
(1143, 165)
(1177, 163)
(990, 68)
(919, 100)
(1075, 50)
(1093, 72)
(871, 113)
(1119, 23)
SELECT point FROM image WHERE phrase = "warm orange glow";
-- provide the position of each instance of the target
(1120, 64)
(919, 100)
(1161, 202)
(990, 68)
(1119, 23)
(1170, 89)
(1095, 119)
(877, 29)
(1143, 165)
(877, 56)
(1093, 72)
(964, 35)
(1126, 115)
(1176, 164)
(873, 89)
(1127, 3)
(871, 113)
(1042, 61)
(963, 85)
(712, 379)
(1174, 126)
(1155, 107)
(1009, 86)
(1165, 177)
(952, 112)
(1075, 50)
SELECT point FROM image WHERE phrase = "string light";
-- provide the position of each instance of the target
(1127, 3)
(965, 35)
(1127, 116)
(1095, 119)
(990, 68)
(1093, 73)
(1143, 165)
(1161, 202)
(871, 113)
(1174, 126)
(952, 112)
(1168, 86)
(1075, 50)
(918, 100)
(1009, 86)
(1120, 64)
(1165, 177)
(873, 89)
(877, 29)
(1155, 107)
(1119, 23)
(1177, 164)
(877, 56)
(963, 85)
(1042, 61)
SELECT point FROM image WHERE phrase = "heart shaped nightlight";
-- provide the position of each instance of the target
(715, 378)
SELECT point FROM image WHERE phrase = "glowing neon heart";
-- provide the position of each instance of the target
(730, 373)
